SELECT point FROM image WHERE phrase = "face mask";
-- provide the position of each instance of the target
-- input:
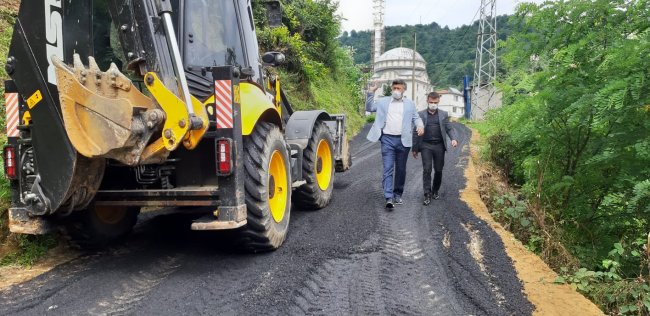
(433, 106)
(397, 94)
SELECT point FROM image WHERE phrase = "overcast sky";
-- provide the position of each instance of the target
(357, 14)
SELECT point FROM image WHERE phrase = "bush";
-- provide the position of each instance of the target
(574, 136)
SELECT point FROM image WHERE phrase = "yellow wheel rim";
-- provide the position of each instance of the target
(278, 186)
(324, 165)
(110, 215)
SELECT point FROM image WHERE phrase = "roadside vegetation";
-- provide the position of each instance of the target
(319, 73)
(569, 152)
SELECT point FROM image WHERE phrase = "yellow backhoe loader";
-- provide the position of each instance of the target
(115, 105)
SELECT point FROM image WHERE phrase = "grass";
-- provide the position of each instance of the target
(27, 249)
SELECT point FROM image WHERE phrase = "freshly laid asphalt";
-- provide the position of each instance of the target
(352, 257)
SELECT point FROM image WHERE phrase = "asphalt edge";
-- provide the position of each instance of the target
(537, 277)
(15, 274)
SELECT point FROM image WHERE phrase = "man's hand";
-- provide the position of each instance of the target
(373, 86)
(454, 143)
(420, 131)
(415, 154)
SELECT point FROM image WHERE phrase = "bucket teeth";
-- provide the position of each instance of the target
(92, 65)
(104, 115)
(76, 62)
(111, 84)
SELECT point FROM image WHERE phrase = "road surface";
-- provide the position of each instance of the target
(352, 257)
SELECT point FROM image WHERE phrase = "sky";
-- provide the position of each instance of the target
(357, 14)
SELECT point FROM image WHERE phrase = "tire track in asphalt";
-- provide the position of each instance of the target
(341, 287)
(348, 283)
(136, 287)
(409, 289)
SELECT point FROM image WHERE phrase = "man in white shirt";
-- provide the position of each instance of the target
(393, 126)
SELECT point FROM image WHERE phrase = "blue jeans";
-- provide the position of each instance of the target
(394, 156)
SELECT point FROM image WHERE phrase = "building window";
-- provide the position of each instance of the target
(455, 98)
(454, 109)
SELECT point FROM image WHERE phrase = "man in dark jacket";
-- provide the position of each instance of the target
(433, 144)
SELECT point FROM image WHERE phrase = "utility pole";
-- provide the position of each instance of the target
(415, 45)
(485, 65)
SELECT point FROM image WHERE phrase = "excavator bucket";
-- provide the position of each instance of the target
(103, 113)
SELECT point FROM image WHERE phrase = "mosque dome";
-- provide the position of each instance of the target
(400, 53)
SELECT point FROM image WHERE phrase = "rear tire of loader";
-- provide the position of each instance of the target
(318, 170)
(268, 189)
(98, 226)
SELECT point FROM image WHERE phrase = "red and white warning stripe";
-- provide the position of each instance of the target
(223, 103)
(13, 115)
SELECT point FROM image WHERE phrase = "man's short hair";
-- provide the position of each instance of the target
(399, 81)
(433, 95)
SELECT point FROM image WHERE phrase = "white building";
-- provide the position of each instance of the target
(397, 63)
(452, 101)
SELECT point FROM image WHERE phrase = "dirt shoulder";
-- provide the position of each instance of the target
(14, 274)
(549, 298)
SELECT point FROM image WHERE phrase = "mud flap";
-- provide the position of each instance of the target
(342, 154)
(222, 219)
(21, 223)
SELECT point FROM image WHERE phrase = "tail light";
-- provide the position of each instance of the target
(9, 154)
(224, 157)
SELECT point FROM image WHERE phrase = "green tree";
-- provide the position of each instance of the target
(576, 125)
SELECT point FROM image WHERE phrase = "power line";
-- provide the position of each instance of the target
(453, 52)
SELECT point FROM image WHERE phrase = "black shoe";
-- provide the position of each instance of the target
(435, 196)
(389, 204)
(427, 199)
(398, 200)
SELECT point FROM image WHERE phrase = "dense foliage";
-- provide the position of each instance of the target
(574, 133)
(319, 72)
(449, 53)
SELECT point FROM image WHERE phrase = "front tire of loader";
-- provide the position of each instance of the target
(98, 226)
(318, 170)
(268, 189)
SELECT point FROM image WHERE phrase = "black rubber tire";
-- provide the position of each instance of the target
(262, 232)
(310, 196)
(86, 230)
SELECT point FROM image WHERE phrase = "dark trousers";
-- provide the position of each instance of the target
(433, 155)
(394, 156)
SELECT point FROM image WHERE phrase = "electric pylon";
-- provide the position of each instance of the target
(485, 65)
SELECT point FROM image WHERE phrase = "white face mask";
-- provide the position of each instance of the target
(433, 106)
(397, 94)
